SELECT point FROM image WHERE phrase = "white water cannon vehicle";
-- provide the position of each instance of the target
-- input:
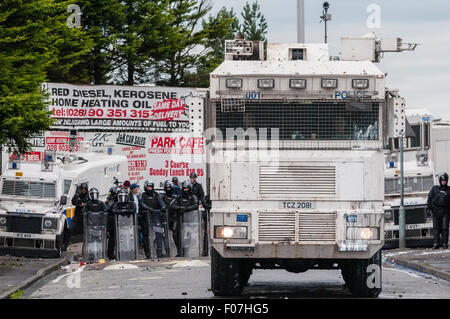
(296, 160)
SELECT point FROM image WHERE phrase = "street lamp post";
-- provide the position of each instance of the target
(325, 18)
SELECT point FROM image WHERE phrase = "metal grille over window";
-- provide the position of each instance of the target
(299, 180)
(302, 120)
(28, 189)
(232, 105)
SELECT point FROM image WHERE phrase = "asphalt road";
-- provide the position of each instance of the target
(179, 278)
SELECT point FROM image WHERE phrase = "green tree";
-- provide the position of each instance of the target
(71, 45)
(182, 38)
(24, 56)
(223, 26)
(102, 21)
(254, 25)
(140, 38)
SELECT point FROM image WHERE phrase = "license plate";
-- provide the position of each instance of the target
(297, 205)
(22, 235)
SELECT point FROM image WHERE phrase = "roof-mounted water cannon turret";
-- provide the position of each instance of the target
(242, 49)
(371, 48)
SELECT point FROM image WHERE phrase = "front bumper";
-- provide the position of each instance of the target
(30, 245)
(292, 251)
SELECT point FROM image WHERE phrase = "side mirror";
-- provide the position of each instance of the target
(63, 200)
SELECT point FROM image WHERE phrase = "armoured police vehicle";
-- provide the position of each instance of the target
(296, 160)
(419, 178)
(35, 208)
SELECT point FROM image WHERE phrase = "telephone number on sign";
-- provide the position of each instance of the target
(61, 148)
(112, 113)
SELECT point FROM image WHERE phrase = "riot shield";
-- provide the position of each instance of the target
(126, 237)
(191, 234)
(94, 238)
(158, 234)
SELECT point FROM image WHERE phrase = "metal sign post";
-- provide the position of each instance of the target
(401, 217)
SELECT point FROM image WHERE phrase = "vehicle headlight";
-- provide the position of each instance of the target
(360, 83)
(234, 83)
(362, 233)
(329, 83)
(50, 223)
(3, 221)
(266, 83)
(230, 232)
(297, 83)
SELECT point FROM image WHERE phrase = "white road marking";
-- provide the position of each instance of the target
(190, 263)
(120, 267)
(403, 271)
(69, 273)
(145, 278)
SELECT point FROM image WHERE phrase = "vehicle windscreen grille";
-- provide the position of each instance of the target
(317, 227)
(25, 188)
(303, 227)
(277, 226)
(29, 225)
(305, 120)
(300, 180)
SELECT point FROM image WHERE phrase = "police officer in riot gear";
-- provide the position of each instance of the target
(111, 200)
(150, 203)
(79, 200)
(94, 205)
(123, 206)
(197, 190)
(183, 203)
(439, 203)
(168, 197)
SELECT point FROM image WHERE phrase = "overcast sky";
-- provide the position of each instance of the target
(423, 76)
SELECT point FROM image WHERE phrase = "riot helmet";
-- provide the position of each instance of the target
(443, 177)
(84, 186)
(113, 191)
(122, 196)
(187, 187)
(93, 194)
(175, 180)
(149, 184)
(168, 188)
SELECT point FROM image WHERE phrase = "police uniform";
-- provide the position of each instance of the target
(183, 203)
(439, 203)
(150, 203)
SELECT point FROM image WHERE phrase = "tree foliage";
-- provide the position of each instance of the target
(254, 24)
(24, 57)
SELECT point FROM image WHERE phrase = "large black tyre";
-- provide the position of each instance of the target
(360, 279)
(225, 275)
(246, 269)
